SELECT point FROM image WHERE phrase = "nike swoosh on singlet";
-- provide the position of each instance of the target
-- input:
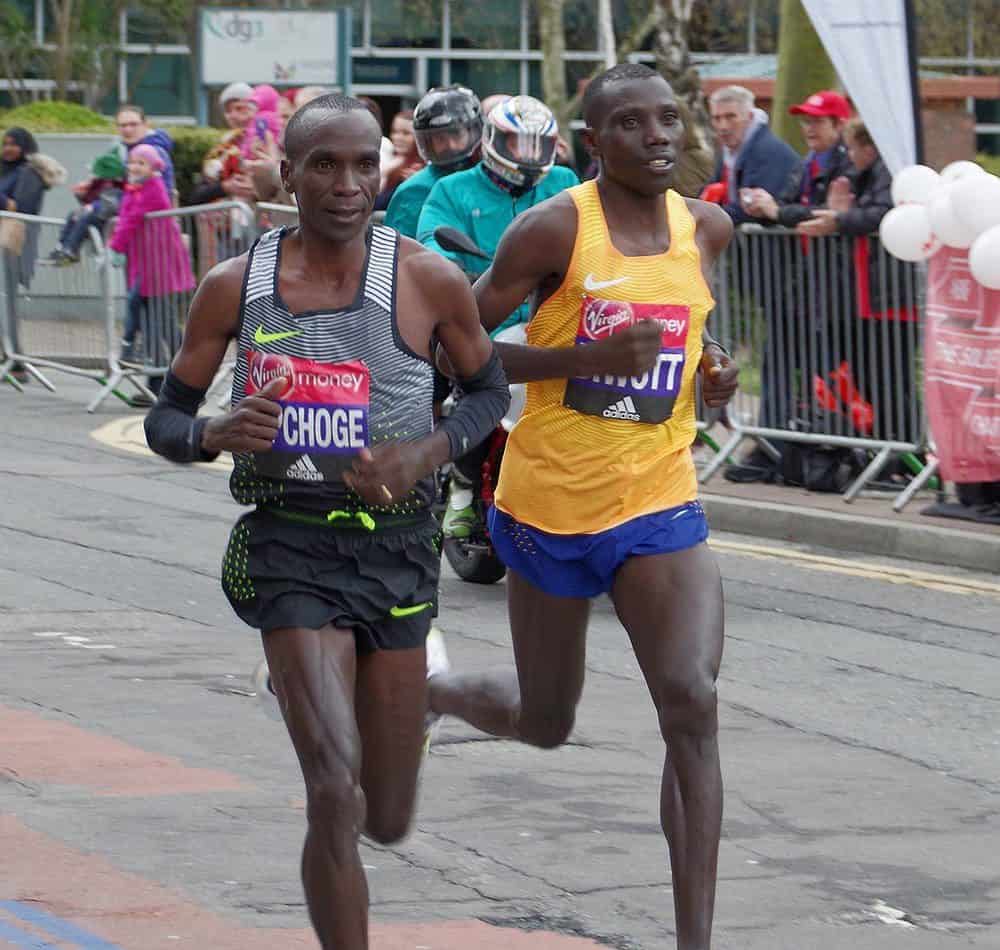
(590, 283)
(261, 337)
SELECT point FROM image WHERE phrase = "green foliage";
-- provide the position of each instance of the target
(57, 117)
(990, 162)
(190, 145)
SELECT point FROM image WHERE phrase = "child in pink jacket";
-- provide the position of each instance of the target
(159, 266)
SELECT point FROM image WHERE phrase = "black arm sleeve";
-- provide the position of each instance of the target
(172, 426)
(485, 398)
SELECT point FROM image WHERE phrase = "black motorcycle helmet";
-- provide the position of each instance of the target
(448, 127)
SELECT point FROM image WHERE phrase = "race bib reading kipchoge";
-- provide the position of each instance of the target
(647, 398)
(324, 415)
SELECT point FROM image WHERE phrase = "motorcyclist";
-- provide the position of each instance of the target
(517, 171)
(448, 128)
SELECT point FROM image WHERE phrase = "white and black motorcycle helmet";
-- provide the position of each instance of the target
(448, 127)
(519, 141)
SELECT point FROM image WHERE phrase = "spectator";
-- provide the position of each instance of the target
(406, 160)
(447, 130)
(877, 365)
(308, 93)
(99, 203)
(223, 172)
(784, 391)
(158, 262)
(267, 118)
(133, 130)
(387, 150)
(823, 117)
(286, 105)
(25, 176)
(752, 155)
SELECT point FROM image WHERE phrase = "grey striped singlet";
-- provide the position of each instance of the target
(401, 381)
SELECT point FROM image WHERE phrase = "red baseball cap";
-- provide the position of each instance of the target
(825, 103)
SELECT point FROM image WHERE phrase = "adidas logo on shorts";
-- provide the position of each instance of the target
(304, 470)
(623, 409)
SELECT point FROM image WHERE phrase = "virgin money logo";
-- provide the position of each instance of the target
(267, 367)
(602, 318)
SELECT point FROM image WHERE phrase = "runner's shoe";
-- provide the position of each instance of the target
(261, 680)
(460, 516)
(437, 663)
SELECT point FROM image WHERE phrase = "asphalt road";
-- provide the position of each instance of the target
(147, 802)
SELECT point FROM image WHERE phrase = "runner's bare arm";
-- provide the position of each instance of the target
(719, 372)
(172, 427)
(391, 469)
(534, 255)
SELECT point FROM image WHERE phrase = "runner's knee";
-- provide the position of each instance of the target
(336, 806)
(687, 703)
(547, 729)
(387, 826)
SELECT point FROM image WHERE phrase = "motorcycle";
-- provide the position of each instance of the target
(474, 558)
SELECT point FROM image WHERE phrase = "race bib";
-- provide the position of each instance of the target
(324, 415)
(646, 398)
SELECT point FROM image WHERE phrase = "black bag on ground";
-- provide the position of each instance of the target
(821, 468)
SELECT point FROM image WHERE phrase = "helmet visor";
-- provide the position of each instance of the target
(450, 143)
(527, 150)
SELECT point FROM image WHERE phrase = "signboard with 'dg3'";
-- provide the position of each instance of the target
(281, 47)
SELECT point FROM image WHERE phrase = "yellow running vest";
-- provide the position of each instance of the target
(590, 454)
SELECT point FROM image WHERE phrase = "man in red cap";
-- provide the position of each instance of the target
(823, 116)
(824, 173)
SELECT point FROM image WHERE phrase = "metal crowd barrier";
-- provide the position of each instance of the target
(827, 334)
(53, 317)
(154, 284)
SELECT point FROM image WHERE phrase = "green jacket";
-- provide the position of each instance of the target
(407, 200)
(473, 203)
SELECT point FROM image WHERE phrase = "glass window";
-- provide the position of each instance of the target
(470, 29)
(719, 27)
(944, 26)
(406, 22)
(357, 22)
(485, 77)
(767, 26)
(144, 26)
(161, 84)
(580, 19)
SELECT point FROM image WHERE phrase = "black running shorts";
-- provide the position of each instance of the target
(280, 573)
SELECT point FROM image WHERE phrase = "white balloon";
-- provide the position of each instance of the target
(915, 185)
(961, 169)
(976, 202)
(906, 233)
(945, 224)
(984, 259)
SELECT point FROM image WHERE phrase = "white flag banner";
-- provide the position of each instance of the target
(868, 43)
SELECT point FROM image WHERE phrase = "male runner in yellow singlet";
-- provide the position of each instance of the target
(597, 491)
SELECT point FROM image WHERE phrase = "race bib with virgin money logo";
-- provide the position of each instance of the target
(324, 415)
(646, 398)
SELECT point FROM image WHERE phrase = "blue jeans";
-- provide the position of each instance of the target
(77, 227)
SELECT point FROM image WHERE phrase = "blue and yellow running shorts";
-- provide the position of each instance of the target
(584, 565)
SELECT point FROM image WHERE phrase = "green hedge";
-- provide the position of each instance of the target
(190, 145)
(190, 142)
(56, 117)
(990, 162)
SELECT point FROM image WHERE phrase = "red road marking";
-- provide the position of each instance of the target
(36, 749)
(137, 914)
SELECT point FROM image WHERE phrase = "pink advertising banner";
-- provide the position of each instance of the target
(962, 369)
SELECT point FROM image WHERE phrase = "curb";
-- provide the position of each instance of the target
(882, 537)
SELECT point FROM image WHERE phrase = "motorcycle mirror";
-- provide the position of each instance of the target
(451, 239)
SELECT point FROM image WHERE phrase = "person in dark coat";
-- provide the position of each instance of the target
(876, 374)
(751, 155)
(798, 311)
(25, 176)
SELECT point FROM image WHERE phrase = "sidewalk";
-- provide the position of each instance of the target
(866, 526)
